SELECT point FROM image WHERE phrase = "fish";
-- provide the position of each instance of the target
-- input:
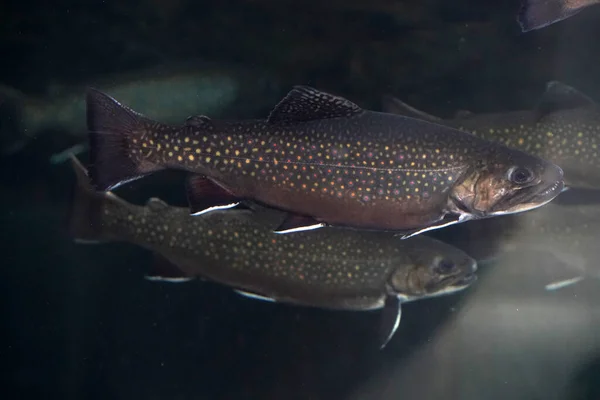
(564, 128)
(326, 161)
(536, 14)
(329, 268)
(567, 235)
(170, 92)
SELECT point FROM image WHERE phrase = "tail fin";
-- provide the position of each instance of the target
(12, 135)
(85, 215)
(536, 14)
(113, 129)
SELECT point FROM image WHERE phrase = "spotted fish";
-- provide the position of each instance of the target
(566, 234)
(169, 92)
(327, 162)
(564, 128)
(329, 268)
(536, 14)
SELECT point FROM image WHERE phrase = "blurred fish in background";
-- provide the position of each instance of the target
(170, 93)
(536, 14)
(563, 127)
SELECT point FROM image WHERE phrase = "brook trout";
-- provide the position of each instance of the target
(328, 268)
(326, 161)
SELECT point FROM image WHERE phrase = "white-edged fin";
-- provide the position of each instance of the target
(461, 218)
(564, 283)
(300, 229)
(168, 279)
(254, 296)
(215, 208)
(61, 157)
(390, 319)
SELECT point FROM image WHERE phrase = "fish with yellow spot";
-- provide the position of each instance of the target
(326, 161)
(566, 237)
(328, 268)
(563, 128)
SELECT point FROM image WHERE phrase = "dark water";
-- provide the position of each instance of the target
(80, 322)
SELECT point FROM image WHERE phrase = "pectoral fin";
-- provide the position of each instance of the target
(390, 319)
(449, 219)
(564, 283)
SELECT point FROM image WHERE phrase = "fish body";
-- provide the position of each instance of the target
(536, 14)
(171, 94)
(564, 128)
(326, 160)
(328, 268)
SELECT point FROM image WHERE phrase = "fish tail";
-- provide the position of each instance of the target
(115, 133)
(85, 214)
(12, 135)
(536, 14)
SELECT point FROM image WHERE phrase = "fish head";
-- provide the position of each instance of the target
(507, 181)
(434, 268)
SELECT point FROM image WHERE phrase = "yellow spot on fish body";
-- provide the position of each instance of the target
(579, 134)
(187, 139)
(549, 134)
(191, 157)
(217, 153)
(179, 158)
(207, 159)
(521, 141)
(170, 154)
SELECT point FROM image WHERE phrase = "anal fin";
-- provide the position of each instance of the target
(254, 296)
(164, 270)
(298, 223)
(204, 195)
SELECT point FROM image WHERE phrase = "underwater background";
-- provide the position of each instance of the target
(80, 322)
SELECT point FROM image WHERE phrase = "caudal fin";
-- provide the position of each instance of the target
(536, 14)
(85, 224)
(113, 132)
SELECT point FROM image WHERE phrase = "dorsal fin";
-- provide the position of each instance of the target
(156, 204)
(197, 120)
(393, 105)
(304, 103)
(559, 96)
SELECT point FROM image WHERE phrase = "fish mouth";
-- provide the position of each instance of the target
(452, 285)
(465, 281)
(529, 198)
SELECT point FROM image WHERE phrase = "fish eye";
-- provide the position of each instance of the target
(445, 266)
(520, 175)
